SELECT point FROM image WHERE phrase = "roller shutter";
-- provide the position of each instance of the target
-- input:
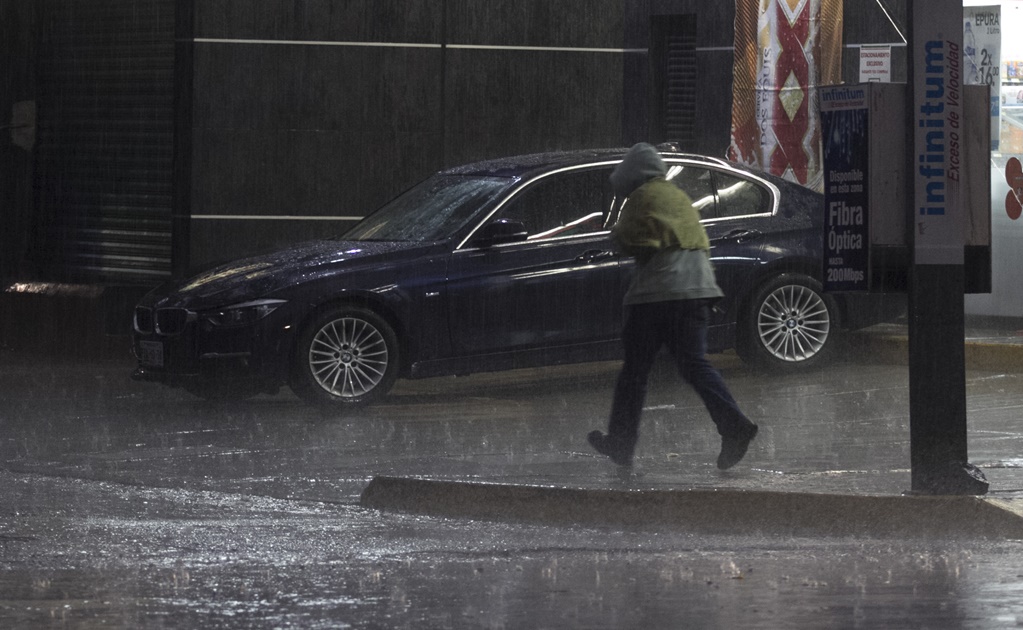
(105, 140)
(673, 58)
(680, 95)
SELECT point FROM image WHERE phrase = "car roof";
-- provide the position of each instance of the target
(525, 165)
(521, 165)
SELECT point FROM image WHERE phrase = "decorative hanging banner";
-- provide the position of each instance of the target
(784, 50)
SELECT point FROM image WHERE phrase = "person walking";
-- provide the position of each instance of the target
(667, 304)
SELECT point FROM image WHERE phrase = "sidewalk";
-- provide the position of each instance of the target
(766, 494)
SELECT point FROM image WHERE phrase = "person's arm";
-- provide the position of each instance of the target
(636, 232)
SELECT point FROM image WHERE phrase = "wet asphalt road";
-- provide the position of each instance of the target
(126, 505)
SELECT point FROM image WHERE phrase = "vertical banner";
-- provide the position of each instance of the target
(844, 121)
(784, 50)
(938, 143)
(982, 51)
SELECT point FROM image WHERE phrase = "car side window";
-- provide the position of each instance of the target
(740, 197)
(565, 204)
(698, 184)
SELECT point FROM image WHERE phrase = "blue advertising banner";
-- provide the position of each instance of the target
(846, 231)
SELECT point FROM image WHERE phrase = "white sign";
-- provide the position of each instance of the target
(982, 44)
(876, 64)
(937, 55)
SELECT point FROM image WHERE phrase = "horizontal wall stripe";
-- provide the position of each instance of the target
(547, 48)
(296, 42)
(261, 217)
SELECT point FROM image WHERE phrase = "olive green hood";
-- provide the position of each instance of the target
(641, 164)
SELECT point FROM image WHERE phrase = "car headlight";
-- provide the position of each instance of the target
(242, 314)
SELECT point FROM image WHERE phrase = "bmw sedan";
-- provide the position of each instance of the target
(490, 266)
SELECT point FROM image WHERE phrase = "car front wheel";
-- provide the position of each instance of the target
(346, 356)
(789, 323)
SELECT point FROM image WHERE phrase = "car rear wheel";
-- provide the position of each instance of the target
(346, 356)
(789, 323)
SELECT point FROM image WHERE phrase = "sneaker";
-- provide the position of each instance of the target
(604, 445)
(733, 448)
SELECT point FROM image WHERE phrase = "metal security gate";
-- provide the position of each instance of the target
(104, 153)
(673, 58)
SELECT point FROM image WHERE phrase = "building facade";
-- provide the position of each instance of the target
(171, 134)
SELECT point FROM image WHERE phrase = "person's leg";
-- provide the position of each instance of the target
(688, 345)
(641, 342)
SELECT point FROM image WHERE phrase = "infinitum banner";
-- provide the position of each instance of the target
(939, 144)
(844, 118)
(784, 50)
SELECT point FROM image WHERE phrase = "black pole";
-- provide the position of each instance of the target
(937, 372)
(184, 78)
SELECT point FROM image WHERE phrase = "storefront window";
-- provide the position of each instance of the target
(1006, 296)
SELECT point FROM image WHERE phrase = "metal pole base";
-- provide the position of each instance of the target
(957, 478)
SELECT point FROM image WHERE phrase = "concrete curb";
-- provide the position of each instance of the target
(893, 349)
(996, 357)
(705, 511)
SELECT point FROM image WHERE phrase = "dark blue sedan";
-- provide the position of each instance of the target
(490, 266)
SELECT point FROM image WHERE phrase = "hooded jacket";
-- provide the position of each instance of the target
(661, 228)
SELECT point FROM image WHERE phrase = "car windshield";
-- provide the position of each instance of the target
(431, 211)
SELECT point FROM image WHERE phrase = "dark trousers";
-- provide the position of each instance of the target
(681, 325)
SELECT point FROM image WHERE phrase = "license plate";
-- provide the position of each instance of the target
(151, 353)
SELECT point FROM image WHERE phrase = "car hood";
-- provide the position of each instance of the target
(266, 275)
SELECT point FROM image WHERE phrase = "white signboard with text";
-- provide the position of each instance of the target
(876, 64)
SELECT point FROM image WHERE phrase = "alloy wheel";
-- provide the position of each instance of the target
(793, 323)
(348, 357)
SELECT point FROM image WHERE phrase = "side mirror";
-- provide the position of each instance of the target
(499, 232)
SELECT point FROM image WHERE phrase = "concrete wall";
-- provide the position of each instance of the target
(715, 28)
(369, 96)
(295, 117)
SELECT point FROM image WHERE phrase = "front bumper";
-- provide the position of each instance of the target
(178, 347)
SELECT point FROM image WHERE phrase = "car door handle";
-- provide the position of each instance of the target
(739, 236)
(592, 256)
